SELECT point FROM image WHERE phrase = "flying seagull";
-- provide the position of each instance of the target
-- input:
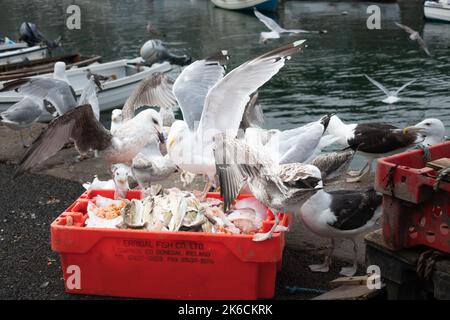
(414, 36)
(201, 90)
(275, 29)
(392, 96)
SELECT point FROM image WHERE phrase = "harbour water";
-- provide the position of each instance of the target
(326, 77)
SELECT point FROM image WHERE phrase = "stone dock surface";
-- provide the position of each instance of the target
(30, 270)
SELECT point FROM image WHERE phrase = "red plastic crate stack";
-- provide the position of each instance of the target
(414, 212)
(166, 265)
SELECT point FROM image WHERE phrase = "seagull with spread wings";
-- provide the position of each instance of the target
(275, 29)
(88, 134)
(155, 90)
(212, 103)
(414, 36)
(41, 96)
(392, 96)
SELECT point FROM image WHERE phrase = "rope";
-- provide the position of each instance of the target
(304, 290)
(440, 177)
(426, 152)
(426, 263)
(389, 178)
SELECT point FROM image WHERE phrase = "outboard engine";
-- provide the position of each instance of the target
(154, 51)
(32, 36)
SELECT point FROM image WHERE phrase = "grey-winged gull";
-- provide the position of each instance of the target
(414, 36)
(200, 90)
(283, 188)
(80, 126)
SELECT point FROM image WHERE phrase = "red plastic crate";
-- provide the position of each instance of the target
(166, 265)
(413, 213)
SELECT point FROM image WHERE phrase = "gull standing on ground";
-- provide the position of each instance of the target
(201, 90)
(41, 96)
(341, 214)
(80, 126)
(392, 96)
(275, 28)
(283, 188)
(414, 36)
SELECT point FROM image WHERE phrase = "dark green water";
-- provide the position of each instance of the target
(326, 77)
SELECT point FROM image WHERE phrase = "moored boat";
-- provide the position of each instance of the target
(24, 54)
(123, 75)
(42, 66)
(261, 5)
(439, 11)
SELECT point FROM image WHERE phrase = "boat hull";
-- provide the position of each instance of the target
(436, 11)
(20, 55)
(43, 66)
(262, 5)
(115, 92)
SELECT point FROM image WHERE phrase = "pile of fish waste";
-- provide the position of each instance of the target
(175, 210)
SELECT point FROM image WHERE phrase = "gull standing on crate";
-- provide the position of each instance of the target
(377, 140)
(200, 90)
(341, 214)
(41, 96)
(283, 188)
(80, 126)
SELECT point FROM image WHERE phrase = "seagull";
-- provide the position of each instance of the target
(41, 96)
(89, 96)
(154, 51)
(99, 78)
(80, 126)
(392, 96)
(200, 90)
(282, 188)
(151, 166)
(275, 28)
(116, 120)
(414, 36)
(300, 145)
(341, 214)
(152, 30)
(376, 140)
(59, 72)
(155, 90)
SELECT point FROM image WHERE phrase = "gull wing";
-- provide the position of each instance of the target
(192, 86)
(423, 45)
(78, 125)
(404, 86)
(155, 90)
(405, 28)
(268, 22)
(226, 101)
(378, 85)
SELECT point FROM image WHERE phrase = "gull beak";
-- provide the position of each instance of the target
(161, 137)
(171, 141)
(412, 129)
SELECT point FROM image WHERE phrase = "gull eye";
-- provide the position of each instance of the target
(428, 124)
(154, 121)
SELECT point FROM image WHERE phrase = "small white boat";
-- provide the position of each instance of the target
(21, 55)
(14, 46)
(124, 78)
(261, 5)
(437, 10)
